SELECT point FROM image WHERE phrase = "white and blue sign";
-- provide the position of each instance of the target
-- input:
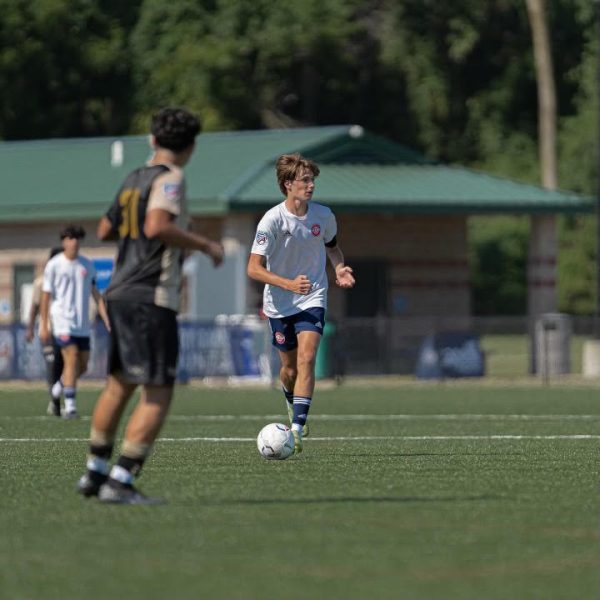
(104, 269)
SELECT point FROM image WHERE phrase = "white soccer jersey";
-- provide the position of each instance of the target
(69, 283)
(295, 246)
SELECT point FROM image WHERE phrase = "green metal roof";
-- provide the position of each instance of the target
(73, 178)
(413, 189)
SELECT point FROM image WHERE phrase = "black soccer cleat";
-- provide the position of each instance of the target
(53, 408)
(90, 482)
(113, 492)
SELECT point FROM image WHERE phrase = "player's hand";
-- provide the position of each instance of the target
(300, 285)
(44, 335)
(216, 253)
(29, 335)
(344, 277)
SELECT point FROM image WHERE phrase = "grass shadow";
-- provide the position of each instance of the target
(354, 499)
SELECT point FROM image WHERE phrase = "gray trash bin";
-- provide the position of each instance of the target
(553, 344)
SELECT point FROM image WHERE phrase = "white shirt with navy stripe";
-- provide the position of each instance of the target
(295, 246)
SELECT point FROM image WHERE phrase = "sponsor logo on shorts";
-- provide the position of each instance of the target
(64, 338)
(136, 370)
(318, 325)
(261, 238)
(279, 337)
(315, 229)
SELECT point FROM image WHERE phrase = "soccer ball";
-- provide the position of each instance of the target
(275, 441)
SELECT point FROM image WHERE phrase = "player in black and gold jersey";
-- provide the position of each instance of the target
(149, 219)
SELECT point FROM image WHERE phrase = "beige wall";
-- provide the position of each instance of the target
(426, 257)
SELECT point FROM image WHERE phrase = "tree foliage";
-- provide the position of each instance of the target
(452, 79)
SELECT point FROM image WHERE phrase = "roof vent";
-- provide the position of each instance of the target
(356, 131)
(116, 154)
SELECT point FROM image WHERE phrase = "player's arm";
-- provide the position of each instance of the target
(160, 224)
(105, 231)
(45, 318)
(101, 307)
(256, 270)
(343, 274)
(33, 313)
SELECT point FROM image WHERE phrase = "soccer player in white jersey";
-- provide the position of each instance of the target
(288, 255)
(51, 351)
(69, 281)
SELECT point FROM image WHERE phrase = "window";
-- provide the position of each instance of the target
(369, 297)
(23, 275)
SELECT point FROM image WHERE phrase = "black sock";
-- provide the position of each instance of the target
(133, 465)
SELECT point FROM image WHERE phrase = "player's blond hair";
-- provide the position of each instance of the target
(290, 166)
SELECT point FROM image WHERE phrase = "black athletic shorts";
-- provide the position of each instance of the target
(144, 343)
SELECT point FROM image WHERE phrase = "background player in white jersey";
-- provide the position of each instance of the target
(51, 351)
(289, 256)
(69, 281)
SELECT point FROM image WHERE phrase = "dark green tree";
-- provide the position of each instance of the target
(64, 67)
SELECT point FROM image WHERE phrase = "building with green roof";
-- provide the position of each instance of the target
(402, 218)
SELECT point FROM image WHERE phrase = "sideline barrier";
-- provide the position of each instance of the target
(231, 347)
(450, 355)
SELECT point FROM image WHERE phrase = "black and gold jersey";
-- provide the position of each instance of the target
(147, 270)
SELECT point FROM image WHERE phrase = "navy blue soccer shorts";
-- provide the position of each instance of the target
(285, 330)
(82, 343)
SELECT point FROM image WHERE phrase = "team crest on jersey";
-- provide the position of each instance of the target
(261, 238)
(279, 337)
(171, 190)
(315, 229)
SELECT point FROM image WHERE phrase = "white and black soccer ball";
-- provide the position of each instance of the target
(275, 441)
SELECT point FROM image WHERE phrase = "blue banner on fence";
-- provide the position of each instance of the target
(104, 268)
(450, 355)
(206, 350)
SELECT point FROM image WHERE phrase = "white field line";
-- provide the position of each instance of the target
(326, 417)
(342, 438)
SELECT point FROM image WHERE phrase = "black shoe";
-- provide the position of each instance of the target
(90, 482)
(53, 408)
(113, 492)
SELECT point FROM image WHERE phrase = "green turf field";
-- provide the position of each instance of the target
(432, 492)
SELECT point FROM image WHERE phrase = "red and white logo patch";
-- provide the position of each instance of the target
(315, 229)
(279, 337)
(261, 238)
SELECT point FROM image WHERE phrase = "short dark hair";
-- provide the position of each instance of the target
(72, 231)
(175, 128)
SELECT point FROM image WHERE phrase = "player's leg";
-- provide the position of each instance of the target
(287, 376)
(50, 359)
(284, 340)
(105, 421)
(308, 344)
(142, 430)
(70, 354)
(59, 365)
(155, 354)
(308, 327)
